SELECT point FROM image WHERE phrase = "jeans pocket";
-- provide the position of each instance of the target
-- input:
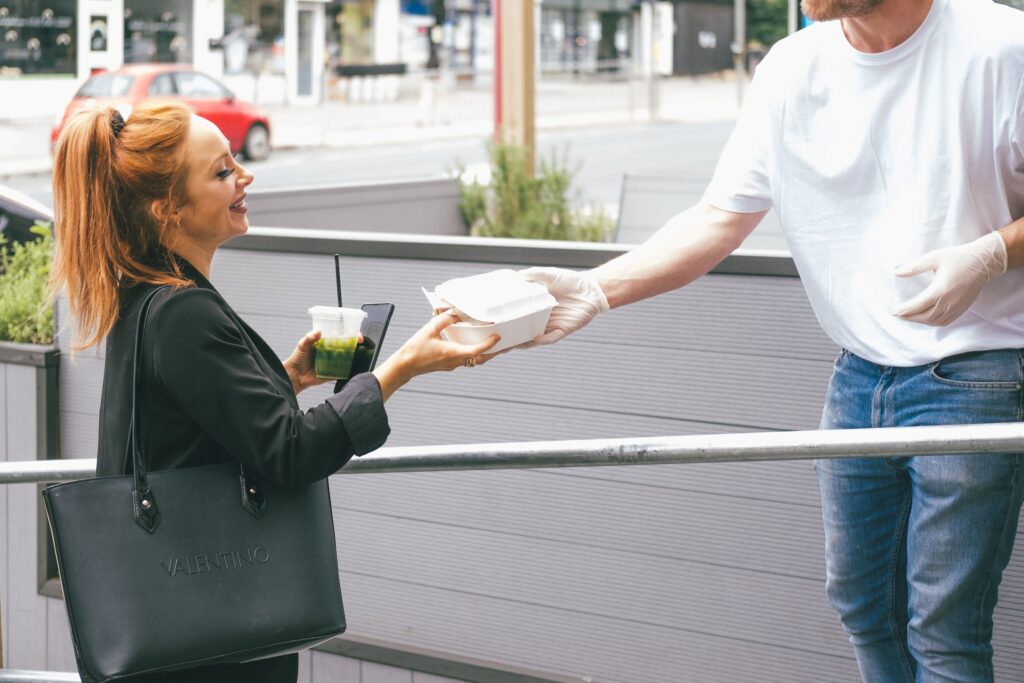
(989, 370)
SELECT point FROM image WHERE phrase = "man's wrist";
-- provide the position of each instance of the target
(599, 297)
(1013, 241)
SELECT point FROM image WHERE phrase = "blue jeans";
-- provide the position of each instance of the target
(915, 546)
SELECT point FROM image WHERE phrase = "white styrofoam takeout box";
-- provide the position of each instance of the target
(500, 302)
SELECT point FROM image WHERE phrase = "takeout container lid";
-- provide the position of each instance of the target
(495, 297)
(500, 302)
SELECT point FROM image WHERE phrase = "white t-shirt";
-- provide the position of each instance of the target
(871, 160)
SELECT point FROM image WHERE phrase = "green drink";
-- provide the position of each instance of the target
(339, 334)
(333, 357)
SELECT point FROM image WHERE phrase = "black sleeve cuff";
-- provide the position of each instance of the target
(360, 406)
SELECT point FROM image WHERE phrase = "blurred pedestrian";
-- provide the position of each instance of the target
(433, 105)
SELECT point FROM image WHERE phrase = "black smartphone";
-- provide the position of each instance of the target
(374, 327)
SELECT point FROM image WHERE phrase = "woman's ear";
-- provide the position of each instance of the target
(163, 212)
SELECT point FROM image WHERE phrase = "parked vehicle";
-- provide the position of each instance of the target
(18, 213)
(246, 127)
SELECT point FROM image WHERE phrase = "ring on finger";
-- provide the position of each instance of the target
(469, 362)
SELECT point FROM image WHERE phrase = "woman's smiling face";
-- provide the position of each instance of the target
(216, 184)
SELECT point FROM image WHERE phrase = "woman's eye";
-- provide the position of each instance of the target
(225, 173)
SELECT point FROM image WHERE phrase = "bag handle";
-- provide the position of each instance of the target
(147, 515)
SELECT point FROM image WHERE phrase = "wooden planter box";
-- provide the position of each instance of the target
(29, 430)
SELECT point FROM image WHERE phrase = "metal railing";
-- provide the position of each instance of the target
(743, 447)
(15, 676)
(664, 450)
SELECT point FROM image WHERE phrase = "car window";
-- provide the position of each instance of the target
(199, 87)
(16, 220)
(162, 85)
(106, 85)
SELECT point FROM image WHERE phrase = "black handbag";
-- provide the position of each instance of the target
(189, 567)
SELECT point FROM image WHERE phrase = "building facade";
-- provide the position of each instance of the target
(48, 47)
(296, 51)
(271, 51)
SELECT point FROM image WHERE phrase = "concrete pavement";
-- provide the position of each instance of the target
(461, 112)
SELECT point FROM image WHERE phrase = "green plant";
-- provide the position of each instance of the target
(26, 312)
(516, 203)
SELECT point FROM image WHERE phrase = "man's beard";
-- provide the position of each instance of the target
(827, 10)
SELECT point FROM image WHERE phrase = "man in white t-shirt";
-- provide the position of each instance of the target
(889, 137)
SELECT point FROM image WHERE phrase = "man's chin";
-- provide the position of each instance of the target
(820, 11)
(830, 10)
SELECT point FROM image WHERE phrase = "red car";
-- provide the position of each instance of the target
(245, 126)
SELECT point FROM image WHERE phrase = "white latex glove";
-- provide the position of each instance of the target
(580, 298)
(960, 274)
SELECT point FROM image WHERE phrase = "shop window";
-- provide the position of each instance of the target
(37, 37)
(349, 32)
(157, 32)
(584, 41)
(253, 37)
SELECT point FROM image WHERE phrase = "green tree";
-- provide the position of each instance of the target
(767, 21)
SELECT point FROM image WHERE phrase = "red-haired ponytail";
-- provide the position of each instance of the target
(107, 174)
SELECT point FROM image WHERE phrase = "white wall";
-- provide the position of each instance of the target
(33, 98)
(386, 31)
(208, 24)
(113, 56)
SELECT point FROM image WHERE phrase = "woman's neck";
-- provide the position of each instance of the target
(199, 256)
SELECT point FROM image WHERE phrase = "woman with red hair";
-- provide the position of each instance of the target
(144, 203)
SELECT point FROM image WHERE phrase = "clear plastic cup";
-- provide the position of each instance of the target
(339, 335)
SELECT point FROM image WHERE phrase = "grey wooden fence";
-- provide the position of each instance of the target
(670, 573)
(422, 206)
(702, 573)
(35, 634)
(648, 200)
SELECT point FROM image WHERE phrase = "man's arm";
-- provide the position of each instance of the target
(686, 247)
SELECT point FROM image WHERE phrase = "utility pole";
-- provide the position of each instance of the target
(647, 38)
(739, 47)
(514, 74)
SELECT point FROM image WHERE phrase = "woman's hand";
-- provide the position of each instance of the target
(426, 351)
(300, 366)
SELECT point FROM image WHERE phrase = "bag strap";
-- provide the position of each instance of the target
(147, 515)
(144, 505)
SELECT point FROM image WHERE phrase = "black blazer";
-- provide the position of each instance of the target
(213, 391)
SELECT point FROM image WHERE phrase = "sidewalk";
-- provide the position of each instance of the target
(462, 112)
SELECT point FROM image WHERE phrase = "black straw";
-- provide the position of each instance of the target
(337, 276)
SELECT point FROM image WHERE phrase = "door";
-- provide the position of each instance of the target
(308, 71)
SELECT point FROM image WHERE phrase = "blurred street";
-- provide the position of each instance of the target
(566, 110)
(603, 154)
